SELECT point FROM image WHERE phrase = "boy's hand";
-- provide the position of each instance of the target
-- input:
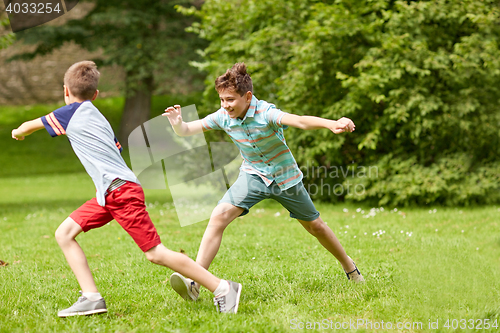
(344, 125)
(16, 135)
(174, 115)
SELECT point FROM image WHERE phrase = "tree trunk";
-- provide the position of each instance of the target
(137, 108)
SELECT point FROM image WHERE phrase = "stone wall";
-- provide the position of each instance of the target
(41, 79)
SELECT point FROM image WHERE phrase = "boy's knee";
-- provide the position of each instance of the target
(153, 255)
(61, 235)
(316, 227)
(68, 230)
(224, 214)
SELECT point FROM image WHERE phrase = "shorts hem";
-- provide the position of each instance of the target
(308, 219)
(246, 210)
(149, 245)
(79, 221)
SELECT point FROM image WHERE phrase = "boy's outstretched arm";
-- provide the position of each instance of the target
(309, 123)
(180, 127)
(27, 128)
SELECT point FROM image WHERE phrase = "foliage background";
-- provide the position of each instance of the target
(419, 78)
(146, 38)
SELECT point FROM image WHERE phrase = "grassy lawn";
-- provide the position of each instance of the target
(421, 265)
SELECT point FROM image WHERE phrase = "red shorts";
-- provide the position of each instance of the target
(126, 206)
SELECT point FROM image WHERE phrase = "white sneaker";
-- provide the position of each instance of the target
(84, 307)
(355, 275)
(186, 288)
(229, 303)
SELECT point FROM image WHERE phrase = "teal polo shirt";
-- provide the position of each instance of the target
(259, 137)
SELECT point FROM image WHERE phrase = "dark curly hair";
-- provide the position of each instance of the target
(236, 78)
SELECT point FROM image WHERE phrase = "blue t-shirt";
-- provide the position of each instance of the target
(93, 141)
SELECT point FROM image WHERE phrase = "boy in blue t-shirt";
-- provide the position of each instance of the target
(119, 195)
(269, 169)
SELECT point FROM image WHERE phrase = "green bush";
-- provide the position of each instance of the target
(420, 79)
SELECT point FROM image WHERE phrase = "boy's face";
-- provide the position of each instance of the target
(235, 104)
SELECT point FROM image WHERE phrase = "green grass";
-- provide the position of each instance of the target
(420, 265)
(42, 154)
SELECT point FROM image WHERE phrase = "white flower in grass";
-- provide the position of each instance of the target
(354, 236)
(381, 209)
(366, 233)
(358, 210)
(477, 248)
(277, 214)
(345, 210)
(462, 231)
(434, 210)
(395, 209)
(253, 258)
(347, 227)
(436, 230)
(354, 216)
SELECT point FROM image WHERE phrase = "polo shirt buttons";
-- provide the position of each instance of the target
(253, 146)
(269, 164)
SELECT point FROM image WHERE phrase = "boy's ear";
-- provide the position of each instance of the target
(66, 91)
(249, 96)
(95, 95)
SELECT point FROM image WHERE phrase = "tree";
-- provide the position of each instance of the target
(420, 79)
(147, 38)
(6, 38)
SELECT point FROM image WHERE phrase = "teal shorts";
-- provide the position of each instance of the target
(248, 190)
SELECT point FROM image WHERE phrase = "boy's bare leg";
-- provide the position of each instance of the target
(221, 216)
(327, 238)
(65, 236)
(184, 265)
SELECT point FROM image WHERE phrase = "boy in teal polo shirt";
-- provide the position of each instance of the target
(269, 169)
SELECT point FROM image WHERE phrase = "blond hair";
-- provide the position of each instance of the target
(82, 79)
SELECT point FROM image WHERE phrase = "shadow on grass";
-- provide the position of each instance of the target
(9, 208)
